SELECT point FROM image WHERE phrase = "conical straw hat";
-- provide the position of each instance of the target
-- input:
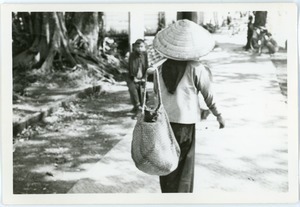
(184, 40)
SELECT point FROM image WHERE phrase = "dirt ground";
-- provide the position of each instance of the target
(70, 140)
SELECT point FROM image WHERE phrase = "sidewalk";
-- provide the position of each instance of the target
(249, 155)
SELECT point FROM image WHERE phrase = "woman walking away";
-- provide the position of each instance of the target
(182, 77)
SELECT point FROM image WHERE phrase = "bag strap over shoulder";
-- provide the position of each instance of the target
(157, 83)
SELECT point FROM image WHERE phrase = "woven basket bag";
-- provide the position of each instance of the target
(154, 148)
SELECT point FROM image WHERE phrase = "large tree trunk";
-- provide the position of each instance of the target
(25, 16)
(54, 40)
(101, 34)
(50, 39)
(260, 18)
(53, 43)
(86, 29)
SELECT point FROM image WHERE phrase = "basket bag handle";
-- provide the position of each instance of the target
(156, 75)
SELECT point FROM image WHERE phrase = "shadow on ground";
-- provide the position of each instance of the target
(69, 142)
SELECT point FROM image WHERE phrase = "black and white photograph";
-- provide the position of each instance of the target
(170, 103)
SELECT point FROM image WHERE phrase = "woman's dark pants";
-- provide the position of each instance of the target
(182, 179)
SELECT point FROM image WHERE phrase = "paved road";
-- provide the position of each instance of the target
(249, 155)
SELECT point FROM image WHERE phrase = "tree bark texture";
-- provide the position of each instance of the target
(260, 18)
(50, 39)
(86, 27)
(58, 40)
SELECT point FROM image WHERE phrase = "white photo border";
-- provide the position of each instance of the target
(208, 197)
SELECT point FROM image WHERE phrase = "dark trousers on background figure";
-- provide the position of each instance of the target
(182, 179)
(136, 91)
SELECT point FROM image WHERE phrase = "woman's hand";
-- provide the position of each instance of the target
(221, 121)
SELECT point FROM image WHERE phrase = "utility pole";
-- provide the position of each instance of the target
(136, 27)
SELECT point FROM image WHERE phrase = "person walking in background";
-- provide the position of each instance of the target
(181, 78)
(138, 64)
(249, 32)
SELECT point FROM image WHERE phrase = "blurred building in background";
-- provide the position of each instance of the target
(146, 24)
(116, 21)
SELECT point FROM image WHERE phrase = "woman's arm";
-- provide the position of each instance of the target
(204, 85)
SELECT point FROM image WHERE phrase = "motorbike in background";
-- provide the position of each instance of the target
(262, 38)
